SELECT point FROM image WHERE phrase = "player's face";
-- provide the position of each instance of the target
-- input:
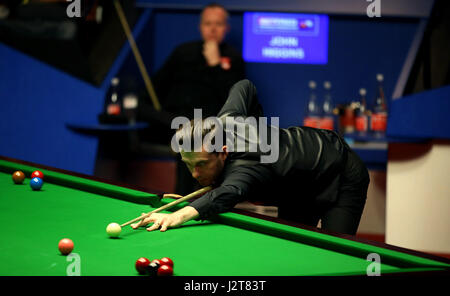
(213, 24)
(205, 167)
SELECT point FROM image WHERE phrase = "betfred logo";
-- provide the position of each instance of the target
(278, 23)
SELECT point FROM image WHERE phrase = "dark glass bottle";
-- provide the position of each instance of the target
(362, 114)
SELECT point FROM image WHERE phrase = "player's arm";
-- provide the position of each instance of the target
(165, 221)
(240, 184)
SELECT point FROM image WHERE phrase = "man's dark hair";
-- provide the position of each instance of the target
(214, 5)
(202, 130)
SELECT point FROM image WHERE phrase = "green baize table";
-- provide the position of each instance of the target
(78, 207)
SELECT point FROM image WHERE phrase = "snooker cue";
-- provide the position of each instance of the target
(137, 56)
(169, 205)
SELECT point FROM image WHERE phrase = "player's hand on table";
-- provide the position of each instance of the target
(158, 220)
(165, 221)
(146, 221)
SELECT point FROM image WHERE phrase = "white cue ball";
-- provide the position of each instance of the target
(113, 230)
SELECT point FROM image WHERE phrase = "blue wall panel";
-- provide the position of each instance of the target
(36, 101)
(423, 115)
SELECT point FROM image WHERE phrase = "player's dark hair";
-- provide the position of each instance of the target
(200, 129)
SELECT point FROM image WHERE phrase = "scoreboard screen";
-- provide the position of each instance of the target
(285, 38)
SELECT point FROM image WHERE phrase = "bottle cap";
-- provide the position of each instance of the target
(115, 81)
(362, 91)
(312, 84)
(130, 101)
(327, 85)
(380, 77)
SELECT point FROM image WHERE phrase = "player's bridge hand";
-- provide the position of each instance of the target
(163, 221)
(140, 223)
(152, 218)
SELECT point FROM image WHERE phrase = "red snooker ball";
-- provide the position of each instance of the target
(165, 270)
(141, 265)
(166, 261)
(65, 246)
(37, 174)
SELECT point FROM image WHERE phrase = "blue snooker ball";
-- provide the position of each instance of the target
(36, 183)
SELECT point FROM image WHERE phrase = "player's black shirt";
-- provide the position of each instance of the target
(310, 164)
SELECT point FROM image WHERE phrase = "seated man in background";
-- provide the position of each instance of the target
(197, 74)
(315, 176)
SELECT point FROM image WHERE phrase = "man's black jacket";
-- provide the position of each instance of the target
(309, 165)
(186, 82)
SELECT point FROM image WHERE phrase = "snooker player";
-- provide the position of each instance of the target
(316, 175)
